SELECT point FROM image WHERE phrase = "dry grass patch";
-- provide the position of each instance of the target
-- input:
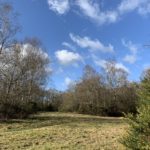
(54, 131)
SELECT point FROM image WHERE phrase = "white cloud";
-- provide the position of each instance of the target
(130, 59)
(27, 48)
(94, 45)
(141, 6)
(121, 66)
(24, 52)
(59, 6)
(68, 81)
(92, 10)
(133, 48)
(66, 57)
(103, 63)
(129, 5)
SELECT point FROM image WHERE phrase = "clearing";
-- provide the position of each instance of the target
(68, 131)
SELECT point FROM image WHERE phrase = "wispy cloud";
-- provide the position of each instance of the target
(122, 66)
(66, 57)
(59, 6)
(133, 48)
(141, 6)
(103, 63)
(145, 9)
(93, 45)
(100, 63)
(68, 45)
(130, 5)
(130, 58)
(92, 9)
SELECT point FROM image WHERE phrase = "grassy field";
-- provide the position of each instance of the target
(54, 131)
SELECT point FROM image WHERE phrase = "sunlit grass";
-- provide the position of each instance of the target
(50, 131)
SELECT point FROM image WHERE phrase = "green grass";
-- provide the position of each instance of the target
(52, 131)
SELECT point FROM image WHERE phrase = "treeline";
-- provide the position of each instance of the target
(108, 94)
(24, 72)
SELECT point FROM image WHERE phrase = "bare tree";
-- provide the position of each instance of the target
(114, 77)
(107, 94)
(8, 25)
(88, 91)
(23, 73)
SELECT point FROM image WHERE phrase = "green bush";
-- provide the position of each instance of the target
(138, 137)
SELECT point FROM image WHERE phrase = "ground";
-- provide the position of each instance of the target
(65, 131)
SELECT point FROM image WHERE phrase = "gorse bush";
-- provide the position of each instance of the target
(138, 137)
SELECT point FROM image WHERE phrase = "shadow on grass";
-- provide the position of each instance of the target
(39, 121)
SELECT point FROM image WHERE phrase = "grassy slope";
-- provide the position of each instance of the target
(50, 131)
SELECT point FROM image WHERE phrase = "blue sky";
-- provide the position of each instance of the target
(79, 32)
